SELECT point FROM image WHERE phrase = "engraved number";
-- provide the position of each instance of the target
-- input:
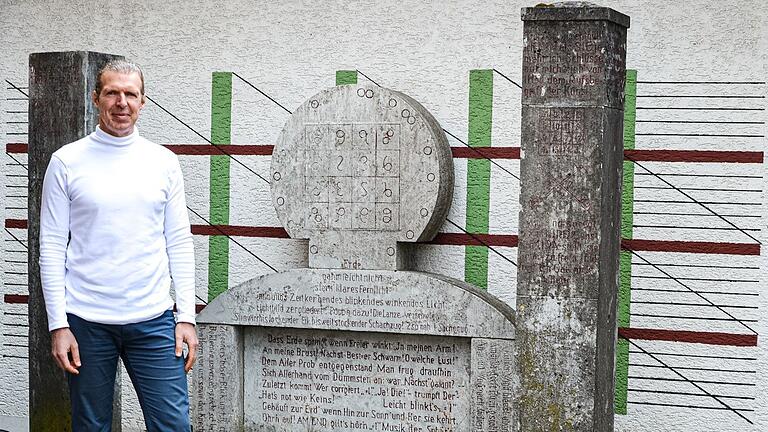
(364, 135)
(339, 213)
(386, 165)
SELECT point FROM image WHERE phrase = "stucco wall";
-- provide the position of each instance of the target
(290, 50)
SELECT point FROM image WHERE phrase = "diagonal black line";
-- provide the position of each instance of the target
(477, 152)
(474, 149)
(666, 182)
(506, 78)
(201, 299)
(233, 240)
(16, 88)
(676, 372)
(17, 239)
(265, 95)
(481, 242)
(692, 199)
(17, 161)
(691, 290)
(367, 77)
(207, 140)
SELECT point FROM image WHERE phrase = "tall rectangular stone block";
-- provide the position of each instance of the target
(216, 382)
(571, 162)
(60, 111)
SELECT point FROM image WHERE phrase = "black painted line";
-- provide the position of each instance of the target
(702, 292)
(696, 356)
(739, 320)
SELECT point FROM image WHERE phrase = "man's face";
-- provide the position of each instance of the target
(119, 102)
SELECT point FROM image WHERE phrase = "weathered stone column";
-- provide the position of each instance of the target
(60, 111)
(571, 161)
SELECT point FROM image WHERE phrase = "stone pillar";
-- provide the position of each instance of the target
(571, 162)
(60, 111)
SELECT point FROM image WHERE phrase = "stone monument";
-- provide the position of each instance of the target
(357, 342)
(60, 111)
(571, 162)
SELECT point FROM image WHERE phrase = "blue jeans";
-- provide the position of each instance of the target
(148, 352)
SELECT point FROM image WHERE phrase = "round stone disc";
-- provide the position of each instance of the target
(362, 158)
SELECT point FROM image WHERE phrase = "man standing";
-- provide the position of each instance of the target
(114, 235)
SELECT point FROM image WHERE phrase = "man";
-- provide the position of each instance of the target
(114, 233)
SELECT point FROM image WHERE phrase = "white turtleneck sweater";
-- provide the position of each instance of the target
(114, 232)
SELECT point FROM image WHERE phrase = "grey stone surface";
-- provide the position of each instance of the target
(494, 385)
(347, 350)
(216, 381)
(357, 169)
(574, 56)
(352, 381)
(60, 111)
(364, 300)
(571, 161)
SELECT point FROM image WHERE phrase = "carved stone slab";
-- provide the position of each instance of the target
(358, 168)
(364, 300)
(350, 350)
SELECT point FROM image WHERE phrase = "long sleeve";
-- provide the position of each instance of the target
(179, 247)
(54, 236)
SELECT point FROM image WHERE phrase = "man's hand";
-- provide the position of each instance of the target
(62, 344)
(185, 333)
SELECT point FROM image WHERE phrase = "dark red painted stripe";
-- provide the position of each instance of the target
(16, 298)
(469, 153)
(694, 156)
(461, 239)
(16, 223)
(486, 152)
(691, 247)
(16, 148)
(240, 231)
(212, 150)
(708, 338)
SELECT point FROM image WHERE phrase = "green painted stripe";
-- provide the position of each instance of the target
(478, 174)
(346, 77)
(221, 129)
(625, 260)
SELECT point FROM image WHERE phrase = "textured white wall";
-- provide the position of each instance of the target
(292, 49)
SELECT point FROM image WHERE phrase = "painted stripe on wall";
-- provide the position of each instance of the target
(625, 260)
(221, 128)
(346, 77)
(478, 174)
